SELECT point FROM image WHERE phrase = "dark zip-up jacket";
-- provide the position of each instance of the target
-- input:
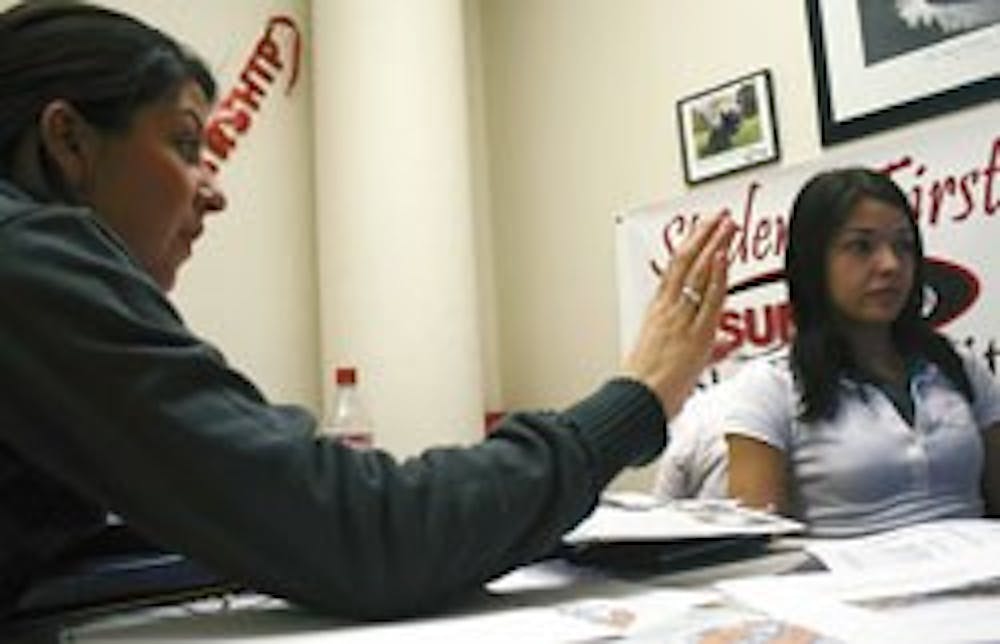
(109, 403)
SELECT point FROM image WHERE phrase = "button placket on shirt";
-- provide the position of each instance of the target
(922, 426)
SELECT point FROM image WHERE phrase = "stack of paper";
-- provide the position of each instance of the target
(631, 517)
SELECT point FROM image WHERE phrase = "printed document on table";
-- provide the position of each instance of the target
(853, 608)
(936, 582)
(636, 517)
(943, 541)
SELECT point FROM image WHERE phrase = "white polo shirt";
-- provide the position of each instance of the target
(866, 469)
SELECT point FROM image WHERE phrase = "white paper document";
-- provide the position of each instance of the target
(942, 541)
(936, 582)
(961, 615)
(634, 517)
(590, 619)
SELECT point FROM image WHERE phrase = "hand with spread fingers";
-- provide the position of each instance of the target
(678, 331)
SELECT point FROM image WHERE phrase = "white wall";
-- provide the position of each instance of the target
(580, 122)
(395, 215)
(486, 277)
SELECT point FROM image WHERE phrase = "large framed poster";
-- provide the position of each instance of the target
(880, 64)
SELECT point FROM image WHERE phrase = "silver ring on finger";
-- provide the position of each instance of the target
(691, 294)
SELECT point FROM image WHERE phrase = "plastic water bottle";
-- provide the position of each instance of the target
(348, 419)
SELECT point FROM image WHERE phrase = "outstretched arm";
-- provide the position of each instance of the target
(107, 392)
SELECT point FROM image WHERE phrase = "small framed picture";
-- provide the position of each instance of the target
(728, 128)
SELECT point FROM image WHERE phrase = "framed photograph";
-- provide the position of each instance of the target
(728, 128)
(880, 64)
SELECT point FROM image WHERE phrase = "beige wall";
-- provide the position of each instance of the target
(486, 277)
(580, 122)
(395, 215)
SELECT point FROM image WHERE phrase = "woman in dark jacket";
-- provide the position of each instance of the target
(111, 404)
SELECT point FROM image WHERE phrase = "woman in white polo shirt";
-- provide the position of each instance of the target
(871, 420)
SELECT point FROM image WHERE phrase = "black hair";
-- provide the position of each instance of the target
(820, 354)
(104, 63)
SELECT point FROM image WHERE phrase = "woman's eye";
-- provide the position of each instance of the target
(859, 246)
(189, 149)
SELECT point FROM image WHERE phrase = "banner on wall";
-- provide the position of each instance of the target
(949, 169)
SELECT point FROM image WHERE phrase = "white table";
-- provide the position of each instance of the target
(267, 621)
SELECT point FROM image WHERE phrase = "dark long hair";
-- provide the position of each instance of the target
(820, 353)
(104, 63)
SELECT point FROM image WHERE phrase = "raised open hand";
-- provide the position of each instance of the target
(678, 330)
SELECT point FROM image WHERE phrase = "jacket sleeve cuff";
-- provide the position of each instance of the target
(623, 423)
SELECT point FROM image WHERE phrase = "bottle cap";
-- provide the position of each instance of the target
(346, 375)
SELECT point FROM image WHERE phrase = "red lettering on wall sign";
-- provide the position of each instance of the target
(233, 117)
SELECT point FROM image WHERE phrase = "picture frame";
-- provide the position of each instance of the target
(728, 128)
(879, 65)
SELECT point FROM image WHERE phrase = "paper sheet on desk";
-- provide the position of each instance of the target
(655, 615)
(944, 541)
(582, 620)
(633, 519)
(966, 615)
(939, 582)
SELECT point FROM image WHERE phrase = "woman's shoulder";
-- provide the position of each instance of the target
(764, 383)
(761, 401)
(766, 371)
(55, 248)
(40, 230)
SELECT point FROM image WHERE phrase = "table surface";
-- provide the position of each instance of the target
(264, 620)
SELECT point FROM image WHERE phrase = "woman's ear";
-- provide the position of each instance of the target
(69, 141)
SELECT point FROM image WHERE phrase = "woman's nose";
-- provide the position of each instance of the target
(210, 197)
(888, 258)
